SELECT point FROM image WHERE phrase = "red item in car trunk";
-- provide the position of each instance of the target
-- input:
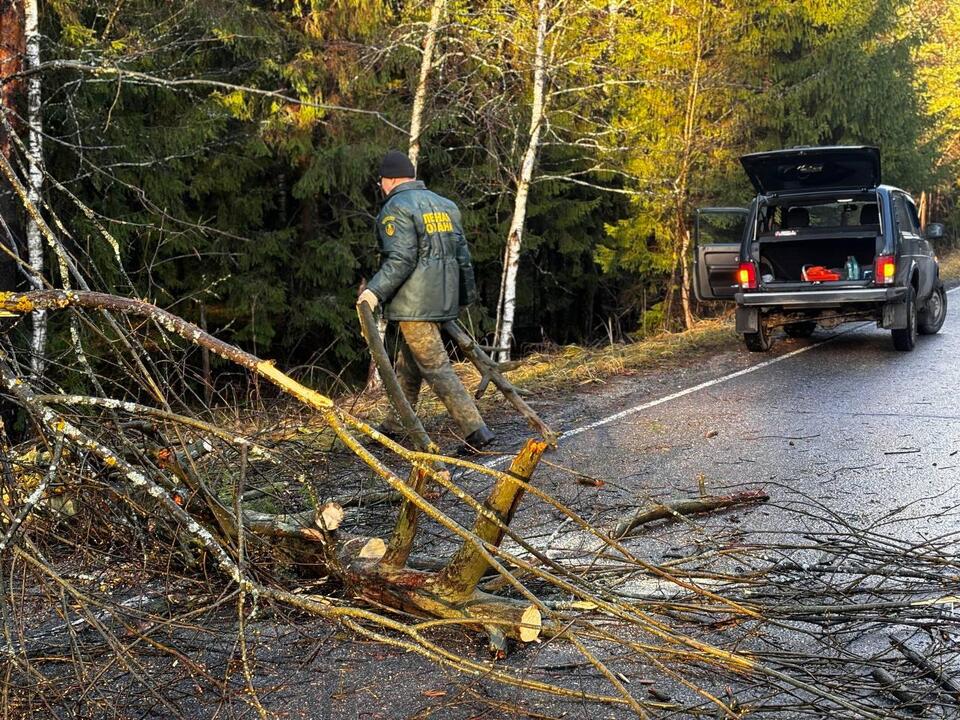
(818, 273)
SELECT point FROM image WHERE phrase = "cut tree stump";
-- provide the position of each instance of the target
(329, 516)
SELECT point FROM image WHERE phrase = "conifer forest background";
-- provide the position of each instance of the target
(228, 149)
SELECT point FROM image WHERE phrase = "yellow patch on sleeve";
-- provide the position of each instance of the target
(387, 219)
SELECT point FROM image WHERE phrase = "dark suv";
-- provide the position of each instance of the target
(822, 243)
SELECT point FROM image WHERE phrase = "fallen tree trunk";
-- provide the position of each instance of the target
(910, 701)
(677, 508)
(370, 567)
(449, 594)
(452, 593)
(376, 571)
(460, 577)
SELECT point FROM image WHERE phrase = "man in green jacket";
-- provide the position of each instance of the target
(425, 276)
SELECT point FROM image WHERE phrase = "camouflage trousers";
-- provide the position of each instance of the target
(422, 356)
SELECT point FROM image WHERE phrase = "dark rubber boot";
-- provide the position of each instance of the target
(477, 440)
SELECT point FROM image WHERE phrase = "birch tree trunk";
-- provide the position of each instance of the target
(426, 63)
(35, 180)
(511, 257)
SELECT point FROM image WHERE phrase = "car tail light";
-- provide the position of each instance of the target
(747, 276)
(886, 268)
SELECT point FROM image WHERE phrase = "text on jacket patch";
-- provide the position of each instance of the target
(437, 222)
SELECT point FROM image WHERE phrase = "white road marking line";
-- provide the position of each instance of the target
(681, 393)
(499, 460)
(702, 386)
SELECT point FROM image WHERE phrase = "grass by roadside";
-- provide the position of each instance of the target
(564, 369)
(573, 365)
(950, 266)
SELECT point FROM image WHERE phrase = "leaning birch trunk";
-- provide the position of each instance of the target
(420, 96)
(35, 163)
(511, 257)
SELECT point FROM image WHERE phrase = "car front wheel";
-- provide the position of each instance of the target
(932, 316)
(905, 339)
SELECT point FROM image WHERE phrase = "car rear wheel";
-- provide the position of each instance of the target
(932, 316)
(906, 338)
(800, 329)
(759, 341)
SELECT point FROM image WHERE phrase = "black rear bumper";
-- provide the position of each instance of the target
(821, 299)
(886, 304)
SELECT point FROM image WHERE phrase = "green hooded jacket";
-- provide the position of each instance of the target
(426, 273)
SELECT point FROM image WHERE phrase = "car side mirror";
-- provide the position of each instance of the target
(933, 231)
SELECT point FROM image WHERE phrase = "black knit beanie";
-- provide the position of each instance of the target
(396, 165)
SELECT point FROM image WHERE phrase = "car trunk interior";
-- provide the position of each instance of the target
(784, 258)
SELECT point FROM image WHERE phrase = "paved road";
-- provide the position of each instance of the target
(848, 421)
(840, 430)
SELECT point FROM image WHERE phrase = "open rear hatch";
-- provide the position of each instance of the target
(814, 260)
(820, 168)
(816, 240)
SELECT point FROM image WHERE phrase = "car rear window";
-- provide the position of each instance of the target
(844, 214)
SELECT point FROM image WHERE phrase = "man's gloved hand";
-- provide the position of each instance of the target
(369, 298)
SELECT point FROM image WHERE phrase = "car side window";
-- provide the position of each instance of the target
(720, 227)
(906, 214)
(900, 214)
(912, 217)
